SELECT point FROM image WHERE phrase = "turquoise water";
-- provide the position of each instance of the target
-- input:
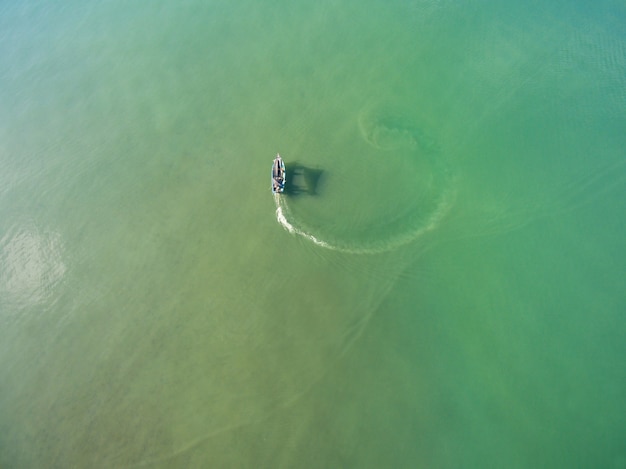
(441, 286)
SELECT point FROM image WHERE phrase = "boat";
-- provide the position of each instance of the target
(278, 175)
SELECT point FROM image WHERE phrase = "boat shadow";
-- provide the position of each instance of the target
(303, 180)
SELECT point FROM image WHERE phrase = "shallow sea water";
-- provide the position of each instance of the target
(441, 285)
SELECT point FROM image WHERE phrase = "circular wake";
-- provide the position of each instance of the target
(398, 190)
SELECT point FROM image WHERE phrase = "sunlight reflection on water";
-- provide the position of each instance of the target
(32, 265)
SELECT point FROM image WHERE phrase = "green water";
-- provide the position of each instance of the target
(442, 285)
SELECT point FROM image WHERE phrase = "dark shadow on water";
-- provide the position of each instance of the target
(302, 180)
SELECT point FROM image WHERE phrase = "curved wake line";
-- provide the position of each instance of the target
(391, 243)
(280, 216)
(387, 130)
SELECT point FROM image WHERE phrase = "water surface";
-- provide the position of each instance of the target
(442, 285)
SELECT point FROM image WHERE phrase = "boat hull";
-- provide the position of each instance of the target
(278, 175)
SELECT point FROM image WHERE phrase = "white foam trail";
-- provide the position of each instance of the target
(280, 216)
(391, 244)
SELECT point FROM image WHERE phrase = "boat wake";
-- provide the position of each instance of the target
(280, 217)
(422, 178)
(411, 233)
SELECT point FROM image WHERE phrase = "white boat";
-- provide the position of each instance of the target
(278, 175)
